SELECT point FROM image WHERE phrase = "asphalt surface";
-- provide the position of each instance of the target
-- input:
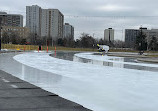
(18, 95)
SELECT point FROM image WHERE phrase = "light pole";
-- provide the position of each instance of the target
(93, 35)
(0, 36)
(140, 42)
(109, 36)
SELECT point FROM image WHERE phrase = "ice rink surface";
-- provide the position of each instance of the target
(97, 87)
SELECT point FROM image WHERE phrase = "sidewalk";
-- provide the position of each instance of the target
(18, 95)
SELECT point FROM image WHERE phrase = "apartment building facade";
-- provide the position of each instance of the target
(151, 33)
(52, 21)
(15, 20)
(109, 35)
(22, 32)
(131, 35)
(68, 31)
(33, 19)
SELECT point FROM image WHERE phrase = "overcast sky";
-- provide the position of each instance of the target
(93, 16)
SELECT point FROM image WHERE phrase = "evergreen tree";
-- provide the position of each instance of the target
(141, 43)
(87, 41)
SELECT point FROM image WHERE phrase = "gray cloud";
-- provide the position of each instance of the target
(92, 13)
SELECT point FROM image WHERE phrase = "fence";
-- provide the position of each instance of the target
(35, 47)
(24, 47)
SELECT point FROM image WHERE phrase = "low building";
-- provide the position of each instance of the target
(151, 33)
(131, 35)
(22, 32)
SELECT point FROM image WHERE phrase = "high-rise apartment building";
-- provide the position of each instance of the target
(14, 20)
(109, 34)
(52, 21)
(57, 24)
(33, 19)
(68, 31)
(45, 22)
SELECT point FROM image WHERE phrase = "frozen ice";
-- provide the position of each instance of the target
(4, 49)
(100, 88)
(109, 59)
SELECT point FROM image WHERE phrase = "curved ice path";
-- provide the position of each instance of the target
(100, 88)
(111, 59)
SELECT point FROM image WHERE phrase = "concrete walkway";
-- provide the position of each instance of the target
(18, 95)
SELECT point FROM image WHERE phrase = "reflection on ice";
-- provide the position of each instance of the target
(120, 62)
(24, 72)
(97, 62)
(97, 59)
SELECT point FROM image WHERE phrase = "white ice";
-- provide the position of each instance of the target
(100, 88)
(4, 49)
(110, 59)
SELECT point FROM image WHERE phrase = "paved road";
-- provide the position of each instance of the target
(18, 95)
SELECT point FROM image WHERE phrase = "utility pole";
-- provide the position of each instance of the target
(0, 36)
(0, 32)
(110, 36)
(140, 43)
(122, 39)
(93, 35)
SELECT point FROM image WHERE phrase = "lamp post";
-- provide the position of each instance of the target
(109, 36)
(141, 43)
(0, 36)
